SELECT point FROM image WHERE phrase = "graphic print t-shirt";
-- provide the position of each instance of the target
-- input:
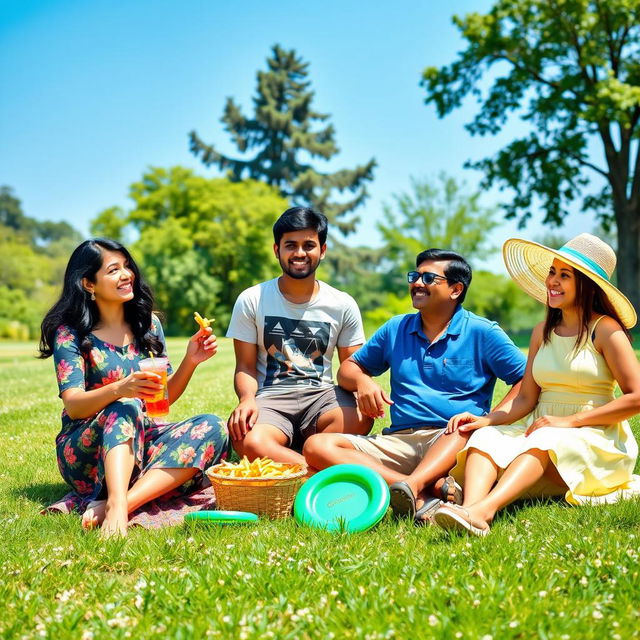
(295, 341)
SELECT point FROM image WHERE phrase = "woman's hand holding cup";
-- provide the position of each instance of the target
(141, 384)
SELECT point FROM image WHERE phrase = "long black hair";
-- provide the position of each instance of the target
(76, 310)
(590, 300)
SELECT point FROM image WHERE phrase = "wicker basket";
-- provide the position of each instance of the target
(270, 497)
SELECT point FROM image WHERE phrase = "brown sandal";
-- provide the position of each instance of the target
(451, 491)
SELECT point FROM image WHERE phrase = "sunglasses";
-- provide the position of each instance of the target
(427, 277)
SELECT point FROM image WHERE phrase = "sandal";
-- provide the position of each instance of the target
(424, 515)
(455, 518)
(403, 502)
(451, 491)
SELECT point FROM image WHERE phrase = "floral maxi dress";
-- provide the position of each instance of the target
(82, 444)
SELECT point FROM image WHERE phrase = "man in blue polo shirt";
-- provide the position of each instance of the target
(443, 360)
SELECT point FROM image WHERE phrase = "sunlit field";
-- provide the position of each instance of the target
(547, 570)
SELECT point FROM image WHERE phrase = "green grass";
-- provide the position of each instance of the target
(547, 570)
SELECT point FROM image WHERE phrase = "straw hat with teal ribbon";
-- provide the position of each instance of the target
(528, 264)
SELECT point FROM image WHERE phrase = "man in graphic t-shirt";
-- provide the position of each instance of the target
(284, 333)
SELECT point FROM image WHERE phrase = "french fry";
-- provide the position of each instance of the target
(203, 322)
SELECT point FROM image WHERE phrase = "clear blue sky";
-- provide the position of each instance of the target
(94, 92)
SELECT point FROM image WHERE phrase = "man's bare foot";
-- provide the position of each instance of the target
(116, 520)
(94, 514)
(423, 497)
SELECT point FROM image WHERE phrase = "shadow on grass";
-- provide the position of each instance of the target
(42, 493)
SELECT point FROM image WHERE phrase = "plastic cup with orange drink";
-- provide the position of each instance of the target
(159, 404)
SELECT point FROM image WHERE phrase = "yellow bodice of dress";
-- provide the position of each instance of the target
(572, 376)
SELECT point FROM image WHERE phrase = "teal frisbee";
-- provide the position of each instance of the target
(221, 517)
(347, 497)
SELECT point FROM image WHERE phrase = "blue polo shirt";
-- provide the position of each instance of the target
(431, 382)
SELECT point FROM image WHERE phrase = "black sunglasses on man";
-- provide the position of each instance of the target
(427, 277)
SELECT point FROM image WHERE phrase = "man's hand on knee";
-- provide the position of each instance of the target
(242, 419)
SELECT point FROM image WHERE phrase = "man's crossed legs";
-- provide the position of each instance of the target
(287, 419)
(420, 459)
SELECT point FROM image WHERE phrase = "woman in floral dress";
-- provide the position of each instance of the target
(110, 452)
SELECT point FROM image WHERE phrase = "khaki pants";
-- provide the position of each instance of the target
(401, 451)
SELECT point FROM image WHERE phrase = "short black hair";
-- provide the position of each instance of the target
(458, 269)
(299, 218)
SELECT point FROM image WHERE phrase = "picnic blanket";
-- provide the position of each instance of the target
(167, 511)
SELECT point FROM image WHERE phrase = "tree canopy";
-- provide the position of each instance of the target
(200, 241)
(437, 214)
(283, 134)
(441, 214)
(33, 257)
(571, 70)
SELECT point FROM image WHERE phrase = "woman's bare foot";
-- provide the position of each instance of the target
(115, 521)
(94, 514)
(453, 517)
(480, 515)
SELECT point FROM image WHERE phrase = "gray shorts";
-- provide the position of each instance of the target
(296, 412)
(401, 451)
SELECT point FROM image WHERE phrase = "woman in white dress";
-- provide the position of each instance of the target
(576, 440)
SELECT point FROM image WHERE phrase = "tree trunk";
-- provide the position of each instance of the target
(628, 269)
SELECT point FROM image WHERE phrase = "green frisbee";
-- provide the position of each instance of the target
(221, 517)
(347, 497)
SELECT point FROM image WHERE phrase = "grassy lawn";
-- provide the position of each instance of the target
(547, 570)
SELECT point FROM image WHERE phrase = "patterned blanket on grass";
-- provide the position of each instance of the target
(167, 511)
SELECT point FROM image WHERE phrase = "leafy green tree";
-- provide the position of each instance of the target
(180, 275)
(110, 223)
(11, 214)
(390, 304)
(33, 257)
(284, 133)
(436, 214)
(200, 241)
(499, 298)
(356, 270)
(571, 69)
(441, 214)
(53, 238)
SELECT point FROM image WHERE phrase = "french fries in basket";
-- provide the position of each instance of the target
(258, 468)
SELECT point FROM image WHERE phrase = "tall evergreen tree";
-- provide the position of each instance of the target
(283, 134)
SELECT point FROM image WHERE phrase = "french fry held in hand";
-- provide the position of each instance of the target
(258, 468)
(203, 322)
